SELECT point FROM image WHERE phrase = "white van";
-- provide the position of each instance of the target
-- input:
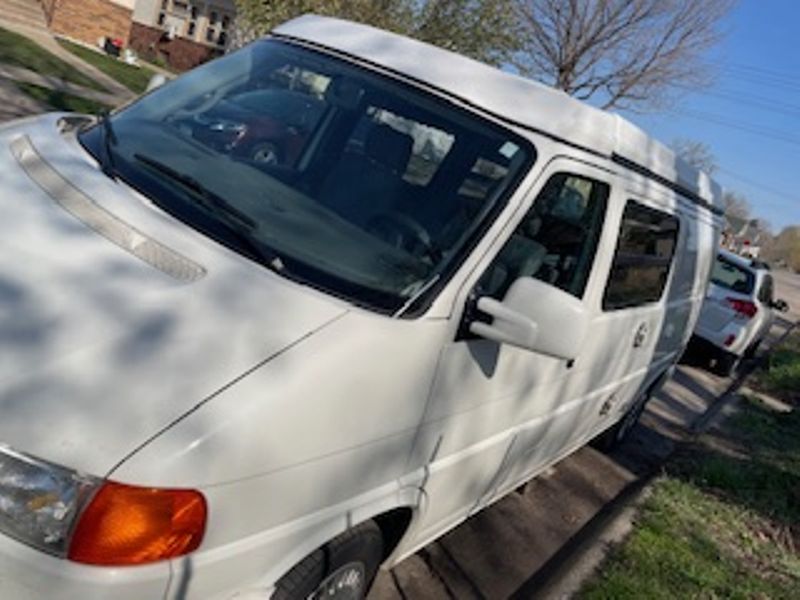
(306, 308)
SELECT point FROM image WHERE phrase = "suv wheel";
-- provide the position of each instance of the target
(726, 363)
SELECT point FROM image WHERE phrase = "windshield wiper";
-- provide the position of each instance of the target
(210, 199)
(109, 140)
(239, 224)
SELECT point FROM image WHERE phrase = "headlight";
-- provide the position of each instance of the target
(91, 520)
(39, 501)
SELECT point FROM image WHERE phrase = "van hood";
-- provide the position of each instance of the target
(115, 318)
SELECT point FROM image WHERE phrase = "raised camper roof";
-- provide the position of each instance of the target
(523, 101)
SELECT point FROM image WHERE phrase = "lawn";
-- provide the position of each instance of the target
(19, 51)
(723, 521)
(782, 375)
(59, 100)
(133, 78)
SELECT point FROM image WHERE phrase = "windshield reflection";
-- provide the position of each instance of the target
(366, 188)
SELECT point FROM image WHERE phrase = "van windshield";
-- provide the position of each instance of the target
(328, 173)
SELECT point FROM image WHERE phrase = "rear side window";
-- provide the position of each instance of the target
(556, 241)
(732, 277)
(642, 261)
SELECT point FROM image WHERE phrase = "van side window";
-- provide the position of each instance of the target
(556, 241)
(643, 257)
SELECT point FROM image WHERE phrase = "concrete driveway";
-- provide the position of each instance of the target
(518, 547)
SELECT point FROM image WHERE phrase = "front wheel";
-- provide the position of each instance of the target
(343, 569)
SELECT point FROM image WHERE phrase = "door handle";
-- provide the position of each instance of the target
(640, 336)
(608, 404)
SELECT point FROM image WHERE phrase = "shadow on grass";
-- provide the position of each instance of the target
(722, 521)
(762, 474)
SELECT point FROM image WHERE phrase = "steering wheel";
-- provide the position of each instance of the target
(401, 231)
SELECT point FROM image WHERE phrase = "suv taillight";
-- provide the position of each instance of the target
(746, 308)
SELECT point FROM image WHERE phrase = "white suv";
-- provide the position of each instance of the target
(738, 310)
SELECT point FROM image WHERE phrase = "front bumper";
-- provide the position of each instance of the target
(28, 574)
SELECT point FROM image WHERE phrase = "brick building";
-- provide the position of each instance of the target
(89, 20)
(179, 33)
(182, 33)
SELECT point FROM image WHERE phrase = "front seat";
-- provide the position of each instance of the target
(522, 256)
(364, 185)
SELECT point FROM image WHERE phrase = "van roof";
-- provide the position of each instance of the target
(520, 100)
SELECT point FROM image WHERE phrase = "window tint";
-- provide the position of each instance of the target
(765, 294)
(642, 260)
(732, 277)
(556, 241)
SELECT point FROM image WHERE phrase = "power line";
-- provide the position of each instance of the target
(766, 104)
(760, 75)
(762, 187)
(773, 134)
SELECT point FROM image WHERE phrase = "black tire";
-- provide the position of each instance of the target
(619, 432)
(353, 557)
(266, 153)
(752, 349)
(726, 363)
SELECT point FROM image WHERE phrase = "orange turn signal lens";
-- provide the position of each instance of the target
(129, 525)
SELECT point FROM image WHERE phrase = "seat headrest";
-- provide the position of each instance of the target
(532, 226)
(389, 148)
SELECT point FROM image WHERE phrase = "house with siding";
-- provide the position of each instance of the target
(179, 33)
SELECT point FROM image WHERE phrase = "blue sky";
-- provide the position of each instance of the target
(757, 92)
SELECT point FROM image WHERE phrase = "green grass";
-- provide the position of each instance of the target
(719, 523)
(133, 78)
(59, 100)
(19, 51)
(783, 372)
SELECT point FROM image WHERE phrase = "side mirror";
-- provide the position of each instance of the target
(156, 81)
(780, 305)
(535, 316)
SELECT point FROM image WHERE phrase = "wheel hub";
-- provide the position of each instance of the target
(345, 583)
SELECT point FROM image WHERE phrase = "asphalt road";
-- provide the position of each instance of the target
(512, 548)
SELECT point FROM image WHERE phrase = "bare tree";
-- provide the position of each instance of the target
(697, 154)
(736, 205)
(620, 53)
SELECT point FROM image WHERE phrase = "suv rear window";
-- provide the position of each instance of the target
(732, 277)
